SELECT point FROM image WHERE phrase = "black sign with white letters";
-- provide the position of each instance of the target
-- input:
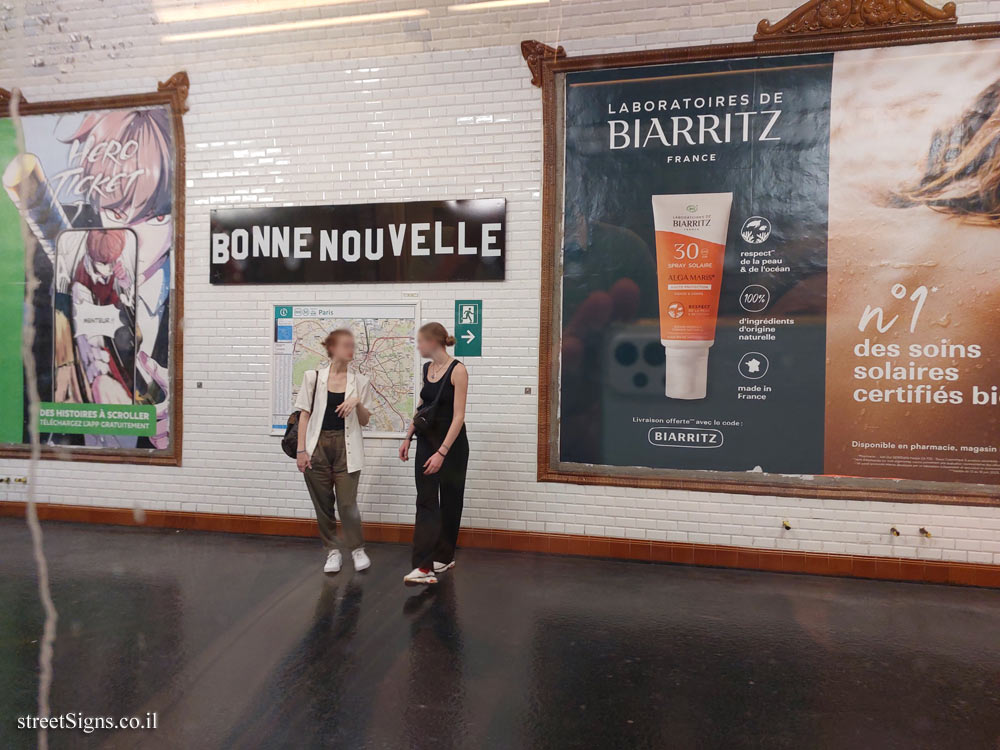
(457, 240)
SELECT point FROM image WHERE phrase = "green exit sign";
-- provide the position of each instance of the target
(468, 328)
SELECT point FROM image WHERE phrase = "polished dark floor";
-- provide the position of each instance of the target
(241, 642)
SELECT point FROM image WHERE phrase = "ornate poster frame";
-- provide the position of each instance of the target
(816, 26)
(172, 93)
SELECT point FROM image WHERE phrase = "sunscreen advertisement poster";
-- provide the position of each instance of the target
(785, 265)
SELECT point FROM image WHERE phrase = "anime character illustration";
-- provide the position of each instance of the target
(101, 306)
(96, 191)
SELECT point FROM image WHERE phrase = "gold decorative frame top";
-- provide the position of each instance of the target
(839, 16)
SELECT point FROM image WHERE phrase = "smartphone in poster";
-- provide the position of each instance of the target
(783, 265)
(94, 331)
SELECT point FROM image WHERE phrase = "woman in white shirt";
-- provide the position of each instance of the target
(335, 403)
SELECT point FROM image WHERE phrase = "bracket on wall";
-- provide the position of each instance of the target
(179, 83)
(843, 16)
(534, 53)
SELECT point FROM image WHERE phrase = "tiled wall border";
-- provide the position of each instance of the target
(853, 566)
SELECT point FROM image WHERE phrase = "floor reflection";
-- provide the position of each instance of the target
(241, 642)
(434, 715)
(306, 693)
(137, 621)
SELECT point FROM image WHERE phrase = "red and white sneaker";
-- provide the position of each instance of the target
(440, 567)
(417, 577)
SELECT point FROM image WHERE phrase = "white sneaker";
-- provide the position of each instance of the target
(416, 577)
(333, 562)
(442, 567)
(361, 561)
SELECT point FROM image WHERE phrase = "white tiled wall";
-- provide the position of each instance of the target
(434, 106)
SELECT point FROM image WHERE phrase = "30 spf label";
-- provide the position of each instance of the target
(685, 437)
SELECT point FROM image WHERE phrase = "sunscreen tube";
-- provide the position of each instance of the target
(691, 233)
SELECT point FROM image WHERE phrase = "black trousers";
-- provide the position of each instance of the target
(440, 498)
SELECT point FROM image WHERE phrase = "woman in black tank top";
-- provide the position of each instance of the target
(442, 457)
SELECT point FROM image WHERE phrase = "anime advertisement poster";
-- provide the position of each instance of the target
(784, 266)
(95, 191)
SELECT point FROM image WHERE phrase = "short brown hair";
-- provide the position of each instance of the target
(437, 332)
(334, 336)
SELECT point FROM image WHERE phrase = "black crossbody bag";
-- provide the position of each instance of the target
(426, 415)
(290, 442)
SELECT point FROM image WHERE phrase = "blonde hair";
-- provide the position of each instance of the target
(962, 171)
(437, 332)
(334, 336)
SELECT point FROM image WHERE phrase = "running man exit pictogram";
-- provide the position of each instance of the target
(468, 328)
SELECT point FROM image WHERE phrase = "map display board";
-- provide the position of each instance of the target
(385, 352)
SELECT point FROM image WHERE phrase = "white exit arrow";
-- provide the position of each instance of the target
(469, 337)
